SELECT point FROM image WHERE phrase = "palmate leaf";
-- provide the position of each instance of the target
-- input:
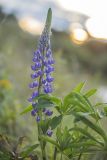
(42, 104)
(44, 101)
(77, 101)
(91, 125)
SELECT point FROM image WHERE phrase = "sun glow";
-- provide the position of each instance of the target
(79, 36)
(97, 28)
(95, 9)
(30, 25)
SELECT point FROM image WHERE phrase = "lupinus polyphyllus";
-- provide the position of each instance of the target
(42, 69)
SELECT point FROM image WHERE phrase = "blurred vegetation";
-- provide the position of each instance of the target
(17, 46)
(74, 63)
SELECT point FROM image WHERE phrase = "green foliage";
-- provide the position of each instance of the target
(28, 150)
(86, 135)
(55, 121)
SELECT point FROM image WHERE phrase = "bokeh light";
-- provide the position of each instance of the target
(79, 36)
(97, 28)
(30, 25)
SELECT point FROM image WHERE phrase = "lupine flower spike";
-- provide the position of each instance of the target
(42, 69)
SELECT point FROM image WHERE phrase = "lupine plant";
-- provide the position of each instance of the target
(84, 137)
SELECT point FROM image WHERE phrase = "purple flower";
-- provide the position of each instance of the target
(35, 83)
(34, 75)
(40, 73)
(43, 81)
(49, 78)
(49, 132)
(37, 52)
(34, 94)
(42, 66)
(48, 53)
(33, 112)
(49, 69)
(31, 85)
(37, 118)
(48, 112)
(30, 99)
(33, 68)
(34, 59)
(51, 61)
(38, 65)
(48, 89)
(45, 62)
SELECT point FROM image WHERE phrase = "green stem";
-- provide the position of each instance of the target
(43, 150)
(80, 155)
(55, 154)
(42, 144)
(61, 156)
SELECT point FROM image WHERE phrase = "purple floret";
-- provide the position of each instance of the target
(33, 112)
(35, 83)
(33, 68)
(31, 85)
(35, 94)
(30, 99)
(48, 112)
(49, 78)
(49, 132)
(48, 89)
(37, 118)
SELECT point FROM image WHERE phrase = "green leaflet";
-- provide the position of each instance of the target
(77, 100)
(27, 109)
(92, 125)
(44, 103)
(90, 93)
(79, 87)
(55, 121)
(85, 133)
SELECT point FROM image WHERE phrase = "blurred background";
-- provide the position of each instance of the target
(79, 44)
